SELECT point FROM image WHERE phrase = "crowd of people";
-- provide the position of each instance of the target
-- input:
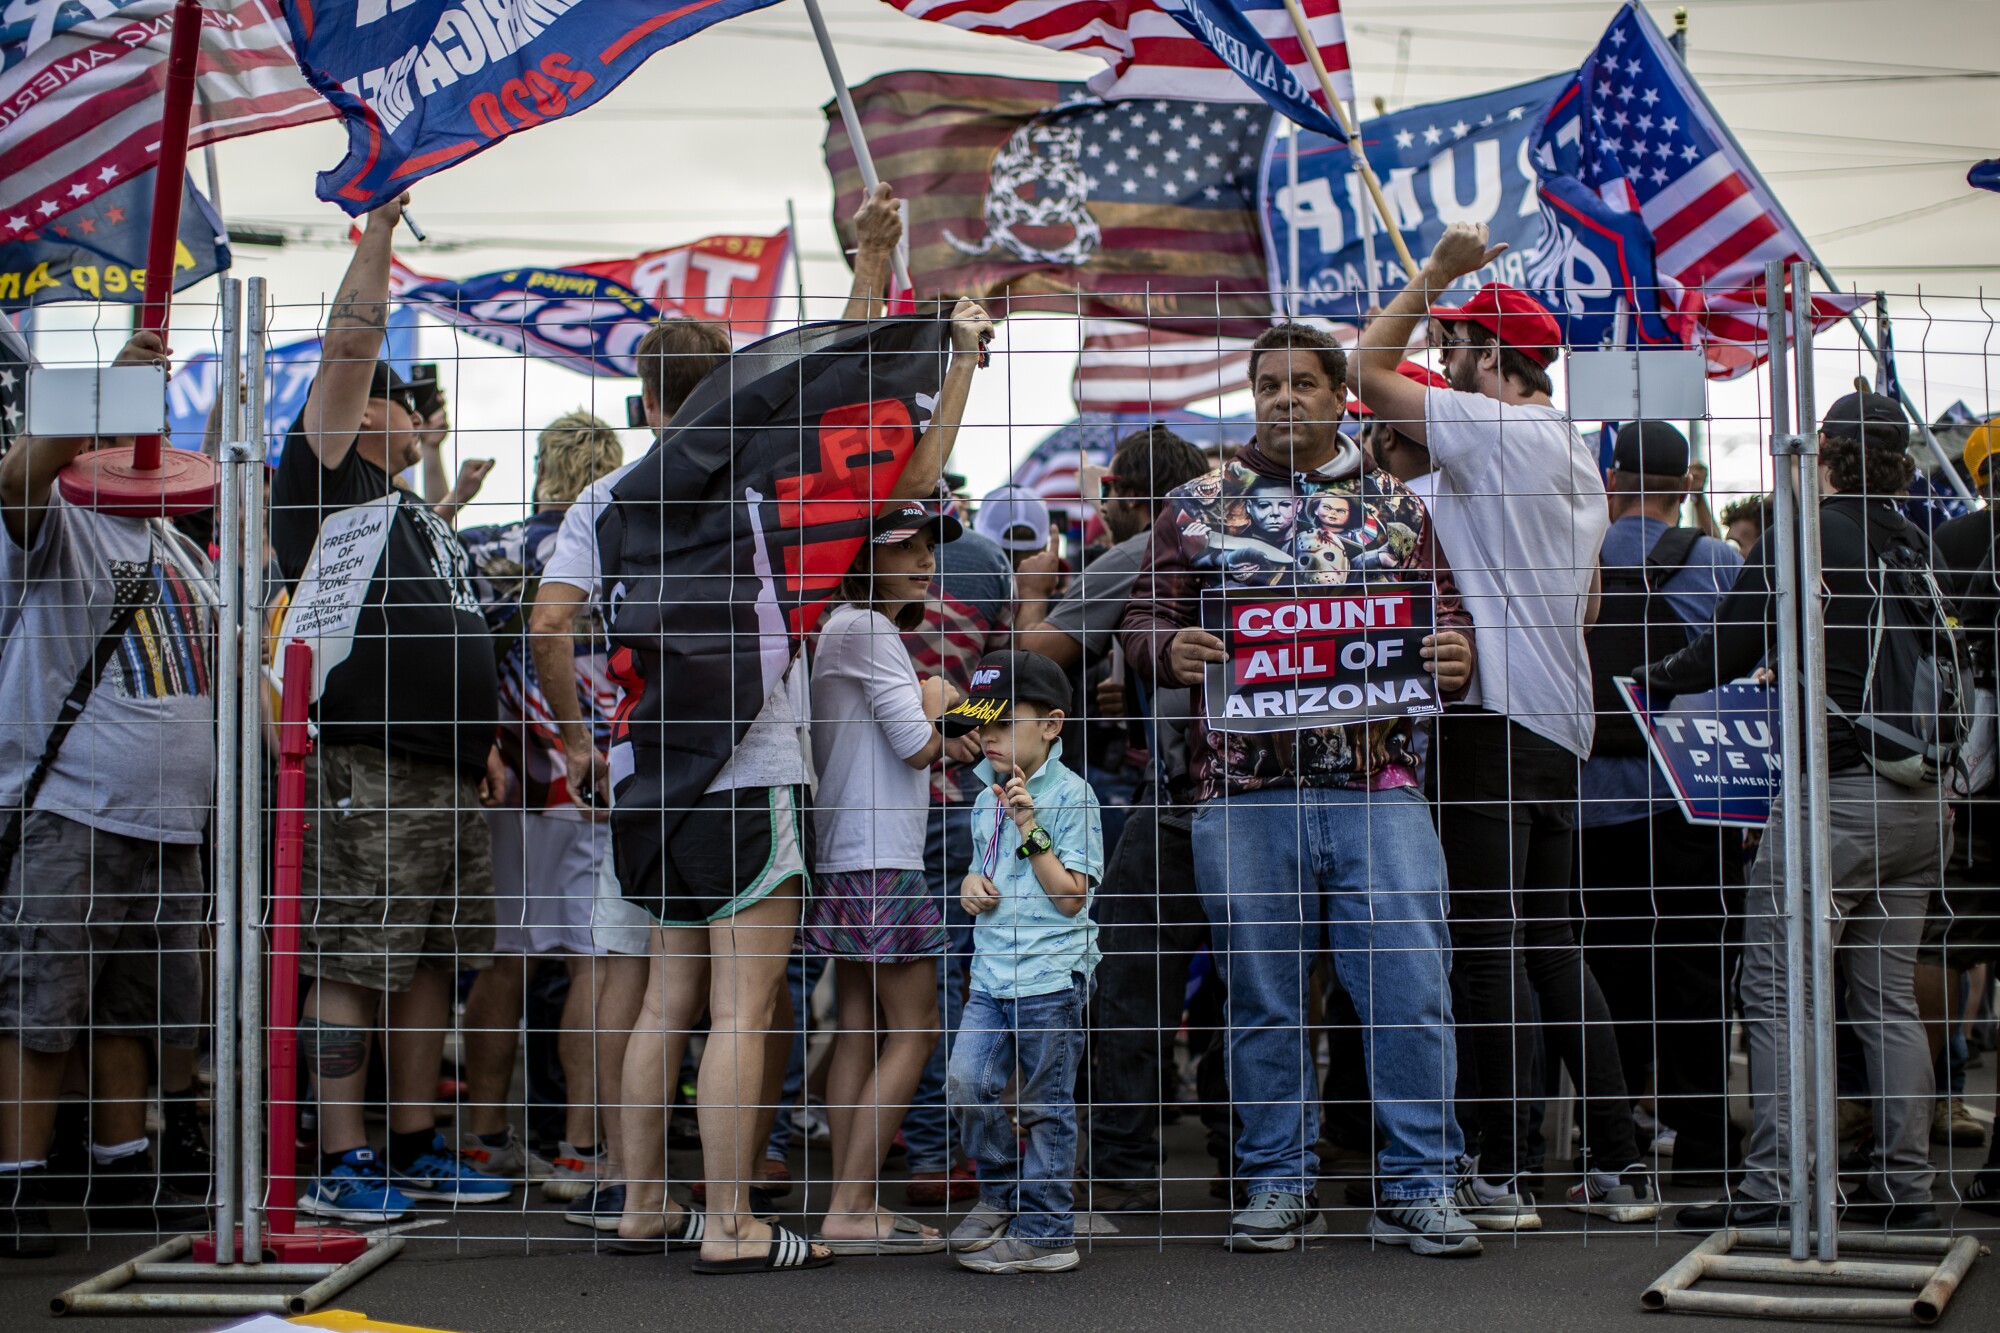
(997, 807)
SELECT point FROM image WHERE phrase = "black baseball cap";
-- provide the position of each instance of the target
(907, 520)
(1002, 680)
(1650, 448)
(392, 386)
(1861, 416)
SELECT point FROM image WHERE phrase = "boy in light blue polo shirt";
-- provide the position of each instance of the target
(1038, 851)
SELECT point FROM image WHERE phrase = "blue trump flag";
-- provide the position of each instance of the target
(288, 377)
(1235, 31)
(580, 320)
(97, 251)
(1462, 160)
(424, 86)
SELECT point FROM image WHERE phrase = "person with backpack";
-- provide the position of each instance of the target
(1891, 729)
(1653, 885)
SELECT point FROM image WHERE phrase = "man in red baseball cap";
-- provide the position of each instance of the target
(1396, 453)
(1519, 511)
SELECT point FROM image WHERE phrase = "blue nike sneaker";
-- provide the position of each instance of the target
(356, 1191)
(441, 1174)
(599, 1210)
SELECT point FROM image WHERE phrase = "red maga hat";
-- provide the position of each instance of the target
(1409, 370)
(1513, 317)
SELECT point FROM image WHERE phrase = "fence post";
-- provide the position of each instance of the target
(1819, 836)
(250, 782)
(228, 864)
(1790, 792)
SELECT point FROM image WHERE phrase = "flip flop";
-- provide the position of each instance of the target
(906, 1236)
(789, 1252)
(694, 1225)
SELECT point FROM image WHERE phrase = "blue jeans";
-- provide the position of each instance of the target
(1043, 1036)
(1284, 874)
(947, 859)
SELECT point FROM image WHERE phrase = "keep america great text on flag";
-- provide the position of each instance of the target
(422, 87)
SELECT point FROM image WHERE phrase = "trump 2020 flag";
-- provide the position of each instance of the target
(721, 546)
(423, 86)
(1242, 34)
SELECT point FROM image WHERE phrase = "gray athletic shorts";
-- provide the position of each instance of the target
(101, 933)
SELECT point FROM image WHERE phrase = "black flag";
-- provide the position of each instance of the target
(721, 546)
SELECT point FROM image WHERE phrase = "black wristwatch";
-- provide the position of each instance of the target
(1035, 841)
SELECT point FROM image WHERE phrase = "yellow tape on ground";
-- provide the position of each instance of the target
(353, 1321)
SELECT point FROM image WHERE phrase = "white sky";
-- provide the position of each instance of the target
(1862, 114)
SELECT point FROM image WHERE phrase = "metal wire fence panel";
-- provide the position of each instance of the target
(827, 779)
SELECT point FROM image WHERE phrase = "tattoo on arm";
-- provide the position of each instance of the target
(348, 312)
(333, 1052)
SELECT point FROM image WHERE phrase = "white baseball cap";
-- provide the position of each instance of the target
(1004, 512)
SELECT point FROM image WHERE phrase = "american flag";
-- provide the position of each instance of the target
(1131, 368)
(1034, 191)
(1635, 121)
(1052, 468)
(1150, 53)
(81, 96)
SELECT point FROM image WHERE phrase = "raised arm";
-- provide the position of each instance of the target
(354, 328)
(970, 328)
(28, 473)
(877, 229)
(1391, 397)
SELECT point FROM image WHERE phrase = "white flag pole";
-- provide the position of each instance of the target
(852, 120)
(1354, 151)
(1347, 127)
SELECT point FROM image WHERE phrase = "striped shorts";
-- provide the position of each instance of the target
(884, 916)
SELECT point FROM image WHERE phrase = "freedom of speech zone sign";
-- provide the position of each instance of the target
(1307, 659)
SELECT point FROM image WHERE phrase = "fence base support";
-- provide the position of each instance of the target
(105, 1294)
(1930, 1267)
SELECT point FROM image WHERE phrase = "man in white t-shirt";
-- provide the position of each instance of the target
(1520, 514)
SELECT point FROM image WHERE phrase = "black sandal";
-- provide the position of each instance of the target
(694, 1226)
(789, 1252)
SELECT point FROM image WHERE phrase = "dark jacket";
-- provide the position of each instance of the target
(1745, 632)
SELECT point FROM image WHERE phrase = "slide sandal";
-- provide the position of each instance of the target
(694, 1226)
(789, 1252)
(906, 1236)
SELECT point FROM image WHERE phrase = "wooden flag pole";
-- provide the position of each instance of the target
(1347, 126)
(852, 120)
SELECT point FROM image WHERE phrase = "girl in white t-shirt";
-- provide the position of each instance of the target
(874, 737)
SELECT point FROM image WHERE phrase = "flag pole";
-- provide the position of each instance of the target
(852, 121)
(1360, 221)
(1818, 266)
(1347, 127)
(798, 260)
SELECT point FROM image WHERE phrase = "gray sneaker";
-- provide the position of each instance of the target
(1496, 1207)
(1274, 1221)
(1011, 1254)
(1630, 1200)
(1430, 1226)
(979, 1229)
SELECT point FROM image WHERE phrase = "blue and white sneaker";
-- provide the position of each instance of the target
(600, 1209)
(441, 1174)
(356, 1191)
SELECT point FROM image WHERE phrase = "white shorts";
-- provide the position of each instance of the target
(553, 888)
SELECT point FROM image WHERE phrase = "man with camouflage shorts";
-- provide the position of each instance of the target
(398, 871)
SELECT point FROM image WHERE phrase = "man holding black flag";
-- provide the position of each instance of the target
(719, 551)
